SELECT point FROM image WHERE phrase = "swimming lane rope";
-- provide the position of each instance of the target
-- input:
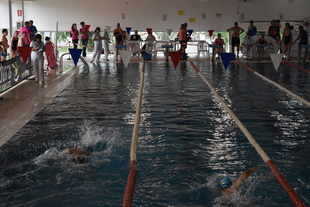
(296, 66)
(291, 193)
(130, 187)
(275, 84)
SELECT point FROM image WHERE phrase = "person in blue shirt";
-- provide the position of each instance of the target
(33, 30)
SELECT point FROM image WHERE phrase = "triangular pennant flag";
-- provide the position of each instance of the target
(75, 54)
(25, 52)
(169, 31)
(175, 57)
(210, 32)
(108, 28)
(226, 58)
(276, 60)
(128, 29)
(87, 27)
(190, 31)
(149, 30)
(125, 55)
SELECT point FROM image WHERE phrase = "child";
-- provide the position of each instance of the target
(97, 45)
(14, 42)
(5, 44)
(262, 42)
(38, 58)
(219, 41)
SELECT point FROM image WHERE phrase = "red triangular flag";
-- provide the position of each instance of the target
(210, 32)
(149, 30)
(25, 52)
(87, 27)
(175, 57)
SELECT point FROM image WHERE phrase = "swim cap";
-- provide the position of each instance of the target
(118, 24)
(236, 23)
(225, 182)
(219, 34)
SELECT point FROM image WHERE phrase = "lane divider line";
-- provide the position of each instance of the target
(131, 180)
(275, 84)
(296, 66)
(288, 189)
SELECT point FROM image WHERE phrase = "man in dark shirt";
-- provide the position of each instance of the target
(303, 36)
(135, 46)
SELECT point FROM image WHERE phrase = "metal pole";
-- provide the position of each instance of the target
(10, 17)
(23, 12)
(56, 42)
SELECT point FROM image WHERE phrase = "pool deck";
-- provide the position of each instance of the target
(23, 101)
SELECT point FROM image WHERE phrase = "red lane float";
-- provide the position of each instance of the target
(296, 66)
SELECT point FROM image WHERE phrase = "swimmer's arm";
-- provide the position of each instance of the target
(244, 176)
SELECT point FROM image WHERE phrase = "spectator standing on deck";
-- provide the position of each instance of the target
(4, 43)
(37, 58)
(106, 40)
(235, 39)
(118, 34)
(97, 45)
(84, 31)
(303, 36)
(74, 33)
(27, 36)
(252, 29)
(14, 45)
(33, 30)
(287, 39)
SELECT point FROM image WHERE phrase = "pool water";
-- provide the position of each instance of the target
(187, 141)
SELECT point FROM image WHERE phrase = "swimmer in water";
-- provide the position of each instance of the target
(228, 187)
(80, 155)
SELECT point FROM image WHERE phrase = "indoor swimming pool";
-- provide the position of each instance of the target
(187, 140)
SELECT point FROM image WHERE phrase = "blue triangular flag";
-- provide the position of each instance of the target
(226, 58)
(128, 29)
(75, 54)
(190, 31)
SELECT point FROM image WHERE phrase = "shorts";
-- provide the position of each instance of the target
(235, 41)
(302, 43)
(4, 54)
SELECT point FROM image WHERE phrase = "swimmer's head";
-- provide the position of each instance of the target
(236, 23)
(225, 182)
(219, 34)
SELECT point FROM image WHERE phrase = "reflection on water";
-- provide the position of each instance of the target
(187, 141)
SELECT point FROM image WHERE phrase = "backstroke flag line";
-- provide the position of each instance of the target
(175, 57)
(276, 60)
(25, 52)
(226, 58)
(125, 55)
(108, 28)
(128, 29)
(210, 32)
(169, 31)
(75, 54)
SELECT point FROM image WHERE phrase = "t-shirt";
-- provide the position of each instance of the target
(183, 35)
(28, 32)
(74, 37)
(135, 37)
(303, 36)
(32, 29)
(85, 35)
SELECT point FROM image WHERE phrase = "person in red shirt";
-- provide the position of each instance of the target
(219, 41)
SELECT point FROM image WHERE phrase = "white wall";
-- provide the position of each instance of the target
(141, 14)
